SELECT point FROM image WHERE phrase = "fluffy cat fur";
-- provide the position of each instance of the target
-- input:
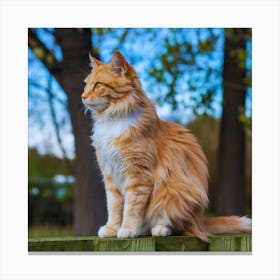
(155, 172)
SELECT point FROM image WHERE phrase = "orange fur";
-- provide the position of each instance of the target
(155, 172)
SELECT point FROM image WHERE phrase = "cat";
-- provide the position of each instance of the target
(155, 172)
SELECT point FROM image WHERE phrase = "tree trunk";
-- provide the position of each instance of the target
(89, 202)
(230, 192)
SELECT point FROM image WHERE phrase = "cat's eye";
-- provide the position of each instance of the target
(97, 85)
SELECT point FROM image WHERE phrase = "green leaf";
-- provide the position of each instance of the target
(50, 58)
(206, 46)
(39, 52)
(245, 121)
(248, 81)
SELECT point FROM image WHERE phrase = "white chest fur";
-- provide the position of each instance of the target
(106, 130)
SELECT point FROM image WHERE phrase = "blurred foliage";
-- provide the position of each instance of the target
(45, 166)
(102, 31)
(50, 203)
(230, 32)
(246, 121)
(50, 190)
(190, 63)
(207, 129)
(42, 231)
(206, 46)
(240, 56)
(39, 52)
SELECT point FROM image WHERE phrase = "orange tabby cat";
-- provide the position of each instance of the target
(155, 172)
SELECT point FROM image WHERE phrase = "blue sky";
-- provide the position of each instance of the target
(143, 51)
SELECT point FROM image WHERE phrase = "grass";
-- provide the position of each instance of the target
(38, 231)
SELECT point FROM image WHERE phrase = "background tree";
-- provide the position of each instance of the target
(232, 147)
(89, 206)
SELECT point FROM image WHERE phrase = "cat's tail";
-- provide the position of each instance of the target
(230, 224)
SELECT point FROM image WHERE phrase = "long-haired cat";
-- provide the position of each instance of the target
(155, 172)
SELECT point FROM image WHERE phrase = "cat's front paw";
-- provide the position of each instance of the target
(127, 233)
(161, 230)
(107, 231)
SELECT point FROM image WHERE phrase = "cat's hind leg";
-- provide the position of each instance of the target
(161, 227)
(161, 230)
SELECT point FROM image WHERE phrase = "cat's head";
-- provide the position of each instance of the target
(112, 88)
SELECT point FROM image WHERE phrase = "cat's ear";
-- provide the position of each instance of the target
(94, 61)
(119, 64)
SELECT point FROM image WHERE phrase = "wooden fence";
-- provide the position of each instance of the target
(218, 243)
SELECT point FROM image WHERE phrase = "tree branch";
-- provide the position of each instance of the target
(45, 56)
(41, 87)
(67, 162)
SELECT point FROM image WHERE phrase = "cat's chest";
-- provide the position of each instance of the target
(111, 156)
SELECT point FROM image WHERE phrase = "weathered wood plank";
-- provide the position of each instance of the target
(73, 244)
(180, 243)
(78, 244)
(231, 243)
(218, 243)
(125, 245)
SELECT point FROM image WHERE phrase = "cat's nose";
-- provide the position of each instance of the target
(83, 96)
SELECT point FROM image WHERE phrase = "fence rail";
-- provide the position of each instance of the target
(218, 243)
